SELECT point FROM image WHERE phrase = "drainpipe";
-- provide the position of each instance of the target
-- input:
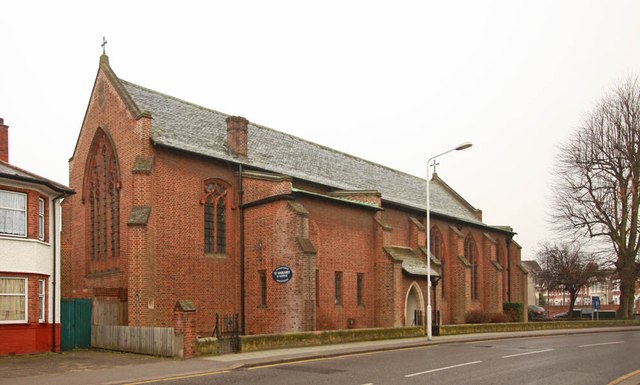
(509, 268)
(241, 192)
(55, 271)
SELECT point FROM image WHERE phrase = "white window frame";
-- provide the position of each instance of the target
(41, 219)
(42, 300)
(26, 205)
(26, 301)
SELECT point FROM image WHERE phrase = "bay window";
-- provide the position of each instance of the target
(13, 213)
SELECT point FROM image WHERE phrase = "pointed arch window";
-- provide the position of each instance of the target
(215, 217)
(471, 256)
(437, 249)
(102, 191)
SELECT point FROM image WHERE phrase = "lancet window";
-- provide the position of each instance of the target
(215, 217)
(471, 255)
(103, 196)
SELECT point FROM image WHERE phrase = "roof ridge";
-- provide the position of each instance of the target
(173, 97)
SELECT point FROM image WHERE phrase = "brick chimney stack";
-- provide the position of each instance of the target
(4, 141)
(237, 134)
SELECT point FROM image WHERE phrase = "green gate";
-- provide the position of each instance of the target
(75, 319)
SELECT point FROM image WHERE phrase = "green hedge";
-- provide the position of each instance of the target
(516, 309)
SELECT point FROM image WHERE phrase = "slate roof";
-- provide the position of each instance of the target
(411, 263)
(10, 171)
(185, 126)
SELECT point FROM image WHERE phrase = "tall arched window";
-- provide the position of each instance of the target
(102, 191)
(437, 249)
(215, 217)
(471, 255)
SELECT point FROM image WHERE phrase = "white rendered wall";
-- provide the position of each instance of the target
(32, 256)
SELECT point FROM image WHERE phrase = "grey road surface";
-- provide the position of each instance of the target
(583, 359)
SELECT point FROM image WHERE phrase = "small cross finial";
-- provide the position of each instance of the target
(434, 165)
(104, 43)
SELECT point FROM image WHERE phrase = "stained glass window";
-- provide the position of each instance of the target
(103, 195)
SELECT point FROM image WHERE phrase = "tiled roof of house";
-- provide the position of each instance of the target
(532, 266)
(10, 171)
(189, 127)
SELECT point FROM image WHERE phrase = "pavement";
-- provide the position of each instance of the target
(82, 367)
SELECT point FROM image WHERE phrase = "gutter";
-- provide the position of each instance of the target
(55, 271)
(52, 185)
(450, 218)
(242, 255)
(273, 198)
(337, 200)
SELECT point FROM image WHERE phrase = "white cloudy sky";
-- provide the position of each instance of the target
(392, 82)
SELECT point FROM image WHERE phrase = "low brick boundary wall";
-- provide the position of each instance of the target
(447, 330)
(253, 343)
(287, 340)
(258, 342)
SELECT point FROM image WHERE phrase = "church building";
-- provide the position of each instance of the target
(175, 201)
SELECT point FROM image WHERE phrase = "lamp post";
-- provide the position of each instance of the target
(462, 146)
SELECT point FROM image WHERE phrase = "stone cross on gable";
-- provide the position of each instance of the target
(104, 43)
(434, 165)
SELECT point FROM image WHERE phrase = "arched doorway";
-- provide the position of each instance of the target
(414, 307)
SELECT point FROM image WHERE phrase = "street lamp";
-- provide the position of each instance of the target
(460, 147)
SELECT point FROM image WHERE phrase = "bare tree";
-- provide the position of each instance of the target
(566, 267)
(597, 191)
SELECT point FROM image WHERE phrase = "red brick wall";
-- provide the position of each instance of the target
(33, 211)
(32, 336)
(518, 276)
(175, 258)
(184, 323)
(350, 255)
(108, 111)
(271, 231)
(4, 141)
(449, 260)
(402, 227)
(158, 263)
(258, 187)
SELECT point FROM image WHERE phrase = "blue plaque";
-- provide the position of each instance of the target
(282, 274)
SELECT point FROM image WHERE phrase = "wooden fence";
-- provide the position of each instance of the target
(138, 339)
(109, 313)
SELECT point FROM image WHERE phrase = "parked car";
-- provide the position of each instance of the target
(586, 313)
(536, 312)
(561, 315)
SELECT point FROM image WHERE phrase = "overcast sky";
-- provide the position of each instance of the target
(391, 82)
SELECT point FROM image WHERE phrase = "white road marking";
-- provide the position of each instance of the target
(527, 353)
(604, 343)
(445, 368)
